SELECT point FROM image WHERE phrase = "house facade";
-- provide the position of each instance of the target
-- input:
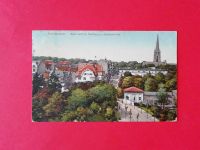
(34, 66)
(46, 66)
(62, 70)
(89, 73)
(133, 95)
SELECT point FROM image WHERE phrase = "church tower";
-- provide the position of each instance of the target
(157, 53)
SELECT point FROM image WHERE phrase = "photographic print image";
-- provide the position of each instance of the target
(104, 76)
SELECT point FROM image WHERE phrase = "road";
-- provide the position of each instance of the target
(131, 113)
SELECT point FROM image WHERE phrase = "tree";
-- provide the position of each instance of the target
(55, 106)
(150, 85)
(53, 84)
(109, 113)
(120, 81)
(127, 82)
(127, 73)
(138, 66)
(38, 83)
(101, 93)
(146, 76)
(150, 65)
(120, 92)
(160, 77)
(169, 76)
(82, 114)
(38, 114)
(131, 64)
(78, 98)
(138, 82)
(69, 116)
(122, 64)
(95, 107)
(162, 98)
(171, 85)
(39, 100)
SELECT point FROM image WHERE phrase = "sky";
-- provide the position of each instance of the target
(113, 45)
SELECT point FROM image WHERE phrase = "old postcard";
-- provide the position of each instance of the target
(104, 76)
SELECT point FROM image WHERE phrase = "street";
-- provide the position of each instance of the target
(131, 113)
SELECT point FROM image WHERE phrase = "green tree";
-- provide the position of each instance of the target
(127, 73)
(150, 65)
(162, 98)
(38, 114)
(55, 106)
(150, 85)
(69, 116)
(138, 66)
(120, 81)
(39, 100)
(160, 77)
(169, 76)
(120, 92)
(101, 93)
(171, 85)
(78, 98)
(53, 84)
(37, 83)
(138, 82)
(131, 64)
(122, 64)
(109, 113)
(82, 114)
(95, 107)
(128, 82)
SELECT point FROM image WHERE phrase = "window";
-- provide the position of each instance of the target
(127, 97)
(84, 78)
(140, 98)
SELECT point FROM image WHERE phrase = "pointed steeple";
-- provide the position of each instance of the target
(157, 53)
(157, 43)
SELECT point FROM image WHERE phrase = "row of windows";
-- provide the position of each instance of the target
(84, 78)
(127, 97)
(88, 74)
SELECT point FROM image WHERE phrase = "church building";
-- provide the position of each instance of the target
(156, 57)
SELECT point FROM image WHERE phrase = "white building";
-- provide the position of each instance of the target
(45, 66)
(86, 76)
(150, 98)
(133, 95)
(35, 66)
(89, 73)
(142, 72)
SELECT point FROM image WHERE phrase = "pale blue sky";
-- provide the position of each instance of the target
(114, 45)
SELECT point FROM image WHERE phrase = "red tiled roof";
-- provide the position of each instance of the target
(48, 62)
(63, 68)
(133, 89)
(63, 62)
(63, 65)
(96, 68)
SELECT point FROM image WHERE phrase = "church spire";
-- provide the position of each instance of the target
(157, 43)
(157, 53)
